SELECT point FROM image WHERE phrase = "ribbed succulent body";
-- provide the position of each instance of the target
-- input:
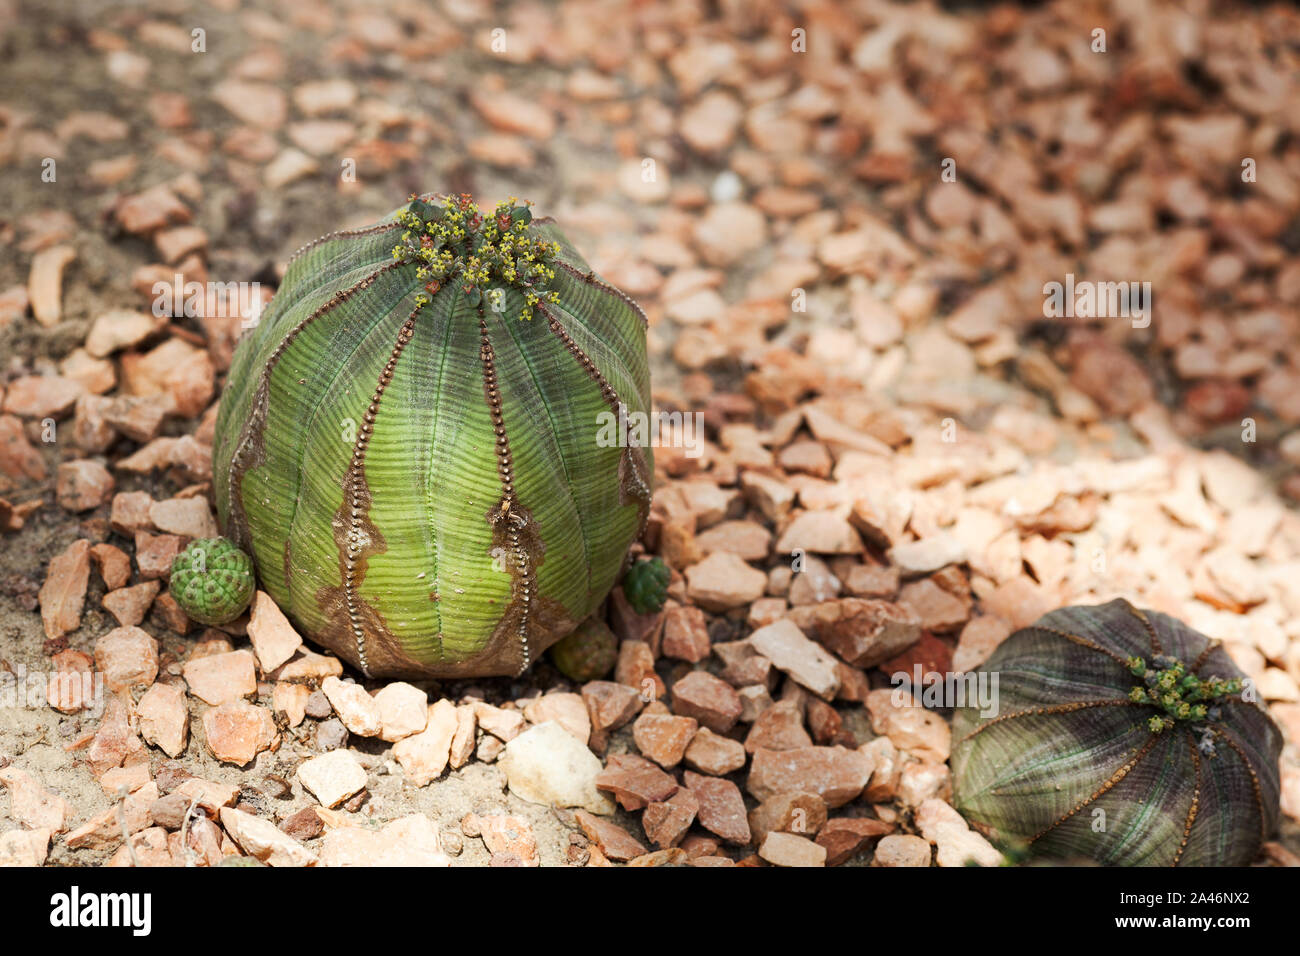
(1123, 736)
(408, 441)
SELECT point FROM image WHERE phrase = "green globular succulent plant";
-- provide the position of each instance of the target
(212, 581)
(1121, 735)
(589, 653)
(646, 585)
(409, 440)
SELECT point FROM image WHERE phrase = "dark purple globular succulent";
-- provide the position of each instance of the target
(1123, 736)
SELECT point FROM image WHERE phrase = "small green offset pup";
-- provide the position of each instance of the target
(212, 581)
(408, 441)
(646, 585)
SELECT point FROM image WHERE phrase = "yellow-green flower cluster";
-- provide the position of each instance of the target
(1180, 695)
(456, 243)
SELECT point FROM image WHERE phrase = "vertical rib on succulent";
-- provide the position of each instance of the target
(356, 494)
(1156, 648)
(1196, 803)
(507, 515)
(1115, 778)
(1254, 781)
(1082, 642)
(251, 434)
(1046, 711)
(633, 464)
(341, 234)
(591, 280)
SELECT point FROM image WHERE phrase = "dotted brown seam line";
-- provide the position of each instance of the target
(521, 571)
(641, 489)
(256, 424)
(1082, 642)
(590, 279)
(1156, 647)
(1054, 709)
(340, 234)
(1196, 801)
(1204, 656)
(1254, 781)
(1105, 788)
(573, 497)
(355, 479)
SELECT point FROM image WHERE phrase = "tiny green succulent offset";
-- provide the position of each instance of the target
(1124, 736)
(408, 440)
(646, 585)
(212, 581)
